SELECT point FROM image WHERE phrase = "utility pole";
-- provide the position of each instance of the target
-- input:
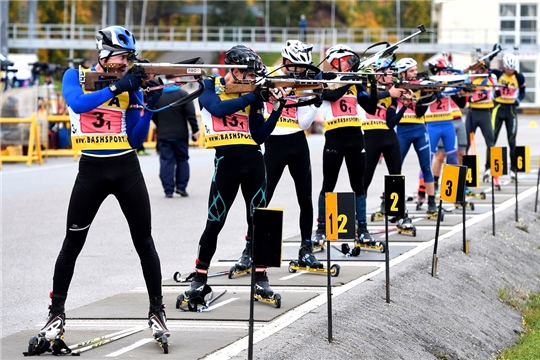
(32, 22)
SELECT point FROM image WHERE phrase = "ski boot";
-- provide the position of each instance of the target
(51, 337)
(513, 175)
(366, 241)
(318, 240)
(487, 175)
(497, 182)
(420, 199)
(263, 291)
(157, 321)
(195, 295)
(433, 211)
(379, 214)
(243, 265)
(405, 226)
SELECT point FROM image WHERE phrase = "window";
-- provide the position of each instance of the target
(526, 67)
(518, 23)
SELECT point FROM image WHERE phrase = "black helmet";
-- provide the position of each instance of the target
(243, 55)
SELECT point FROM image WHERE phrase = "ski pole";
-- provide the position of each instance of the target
(97, 342)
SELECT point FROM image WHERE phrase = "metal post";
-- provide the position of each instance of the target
(143, 19)
(333, 16)
(329, 293)
(72, 31)
(398, 15)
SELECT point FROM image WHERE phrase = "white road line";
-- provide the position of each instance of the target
(296, 313)
(130, 347)
(225, 302)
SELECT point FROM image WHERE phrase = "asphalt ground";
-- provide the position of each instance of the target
(456, 313)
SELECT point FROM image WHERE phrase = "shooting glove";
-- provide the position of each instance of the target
(153, 96)
(129, 82)
(261, 94)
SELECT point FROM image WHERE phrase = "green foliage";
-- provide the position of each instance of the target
(528, 346)
(232, 13)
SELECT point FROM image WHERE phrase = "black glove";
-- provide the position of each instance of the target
(261, 94)
(154, 95)
(129, 82)
(318, 101)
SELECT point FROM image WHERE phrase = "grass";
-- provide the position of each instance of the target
(528, 346)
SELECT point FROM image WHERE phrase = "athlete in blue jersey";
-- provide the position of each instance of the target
(106, 125)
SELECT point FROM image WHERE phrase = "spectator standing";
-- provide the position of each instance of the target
(173, 140)
(302, 24)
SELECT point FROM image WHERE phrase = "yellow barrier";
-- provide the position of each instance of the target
(14, 153)
(61, 152)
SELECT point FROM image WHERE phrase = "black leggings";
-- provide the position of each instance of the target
(239, 167)
(506, 114)
(348, 144)
(383, 142)
(293, 151)
(480, 118)
(98, 178)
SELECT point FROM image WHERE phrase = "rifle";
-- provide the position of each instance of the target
(327, 83)
(93, 80)
(480, 61)
(389, 50)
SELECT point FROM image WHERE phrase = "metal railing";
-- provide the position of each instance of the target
(211, 38)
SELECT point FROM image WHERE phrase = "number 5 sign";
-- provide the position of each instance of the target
(453, 183)
(498, 161)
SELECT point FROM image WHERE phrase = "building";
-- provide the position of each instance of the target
(483, 23)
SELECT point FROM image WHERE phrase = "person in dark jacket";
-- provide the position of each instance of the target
(173, 140)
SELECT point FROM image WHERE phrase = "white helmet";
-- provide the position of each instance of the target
(338, 51)
(297, 52)
(510, 61)
(405, 64)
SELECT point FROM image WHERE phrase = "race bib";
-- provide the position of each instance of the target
(346, 106)
(235, 122)
(101, 121)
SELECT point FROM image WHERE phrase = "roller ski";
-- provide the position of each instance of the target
(195, 296)
(471, 194)
(51, 337)
(263, 291)
(433, 212)
(308, 262)
(467, 204)
(243, 265)
(405, 226)
(366, 241)
(157, 321)
(379, 214)
(177, 277)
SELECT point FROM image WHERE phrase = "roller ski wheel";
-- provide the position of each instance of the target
(163, 343)
(472, 194)
(274, 300)
(334, 270)
(235, 271)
